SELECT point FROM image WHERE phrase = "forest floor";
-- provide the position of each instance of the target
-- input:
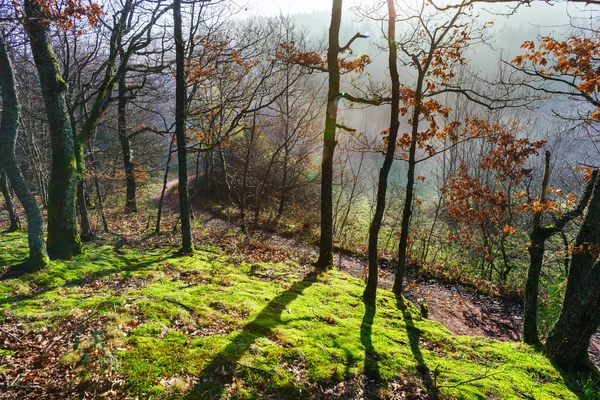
(245, 317)
(462, 310)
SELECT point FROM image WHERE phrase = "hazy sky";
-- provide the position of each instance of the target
(272, 7)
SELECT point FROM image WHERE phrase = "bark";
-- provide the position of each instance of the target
(371, 288)
(38, 257)
(536, 256)
(410, 188)
(325, 260)
(63, 236)
(187, 245)
(538, 237)
(15, 223)
(568, 343)
(130, 202)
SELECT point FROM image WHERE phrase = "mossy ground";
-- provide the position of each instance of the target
(211, 325)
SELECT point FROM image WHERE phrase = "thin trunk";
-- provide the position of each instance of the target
(38, 257)
(164, 188)
(130, 201)
(245, 175)
(284, 179)
(425, 253)
(15, 223)
(187, 245)
(87, 234)
(371, 288)
(536, 256)
(63, 236)
(410, 188)
(325, 260)
(98, 191)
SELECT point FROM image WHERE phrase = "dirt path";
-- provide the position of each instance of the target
(461, 311)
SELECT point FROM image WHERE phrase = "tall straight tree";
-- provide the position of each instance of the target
(334, 67)
(371, 288)
(38, 257)
(63, 236)
(325, 260)
(187, 245)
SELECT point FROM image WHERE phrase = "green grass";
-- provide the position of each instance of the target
(204, 326)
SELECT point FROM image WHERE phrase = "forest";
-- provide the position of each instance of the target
(218, 199)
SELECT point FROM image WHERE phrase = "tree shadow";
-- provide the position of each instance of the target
(414, 334)
(130, 264)
(371, 378)
(222, 368)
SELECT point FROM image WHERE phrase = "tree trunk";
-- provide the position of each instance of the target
(38, 257)
(87, 234)
(63, 236)
(130, 202)
(284, 183)
(325, 260)
(371, 288)
(410, 187)
(164, 188)
(98, 191)
(187, 245)
(568, 343)
(15, 223)
(536, 256)
(245, 175)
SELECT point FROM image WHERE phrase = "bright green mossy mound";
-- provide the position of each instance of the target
(201, 326)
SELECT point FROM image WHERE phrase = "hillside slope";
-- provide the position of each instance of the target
(126, 322)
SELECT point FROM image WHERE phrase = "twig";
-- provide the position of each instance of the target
(11, 335)
(478, 378)
(255, 368)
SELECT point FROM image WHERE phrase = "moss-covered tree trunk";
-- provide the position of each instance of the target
(15, 223)
(38, 257)
(568, 343)
(127, 153)
(325, 260)
(371, 288)
(63, 236)
(187, 245)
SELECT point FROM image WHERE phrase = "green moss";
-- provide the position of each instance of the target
(259, 329)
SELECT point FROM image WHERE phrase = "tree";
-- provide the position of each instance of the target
(334, 67)
(187, 245)
(569, 68)
(63, 237)
(392, 138)
(568, 343)
(540, 233)
(38, 257)
(486, 199)
(434, 47)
